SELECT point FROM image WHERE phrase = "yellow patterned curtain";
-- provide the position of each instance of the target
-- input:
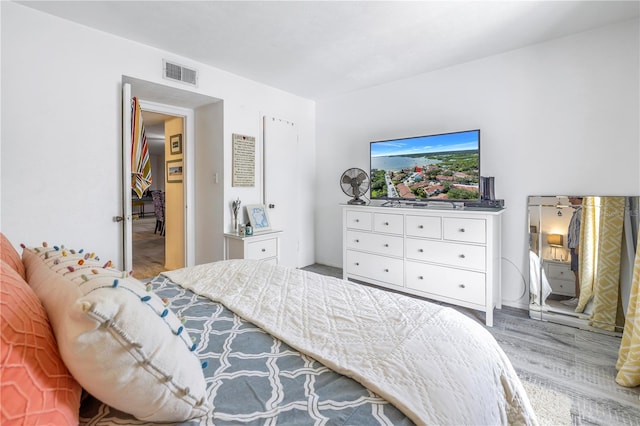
(587, 253)
(600, 250)
(628, 364)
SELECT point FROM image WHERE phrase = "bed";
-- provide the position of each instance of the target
(259, 343)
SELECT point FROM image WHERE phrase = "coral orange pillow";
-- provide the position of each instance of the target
(35, 385)
(9, 254)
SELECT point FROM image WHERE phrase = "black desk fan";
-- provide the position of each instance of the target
(355, 182)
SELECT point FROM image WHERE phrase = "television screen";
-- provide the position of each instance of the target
(434, 167)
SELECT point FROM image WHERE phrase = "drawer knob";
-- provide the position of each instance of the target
(420, 226)
(462, 286)
(420, 250)
(386, 245)
(386, 270)
(386, 224)
(421, 277)
(263, 250)
(461, 229)
(357, 264)
(462, 256)
(357, 241)
(357, 220)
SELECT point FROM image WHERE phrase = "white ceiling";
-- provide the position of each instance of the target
(320, 49)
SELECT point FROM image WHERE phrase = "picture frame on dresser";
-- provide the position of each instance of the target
(258, 217)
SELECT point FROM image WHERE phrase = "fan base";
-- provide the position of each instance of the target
(356, 201)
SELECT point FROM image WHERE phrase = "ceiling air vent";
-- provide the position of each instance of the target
(179, 73)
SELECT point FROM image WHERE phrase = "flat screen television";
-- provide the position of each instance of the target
(442, 167)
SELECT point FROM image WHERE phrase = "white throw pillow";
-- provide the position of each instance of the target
(118, 340)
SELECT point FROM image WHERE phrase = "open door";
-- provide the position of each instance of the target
(126, 218)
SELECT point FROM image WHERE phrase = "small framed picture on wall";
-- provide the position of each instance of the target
(176, 144)
(174, 171)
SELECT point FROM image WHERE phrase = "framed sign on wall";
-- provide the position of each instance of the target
(243, 160)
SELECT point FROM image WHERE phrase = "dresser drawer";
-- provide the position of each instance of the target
(388, 223)
(359, 220)
(465, 230)
(262, 249)
(389, 245)
(454, 254)
(466, 286)
(424, 226)
(376, 267)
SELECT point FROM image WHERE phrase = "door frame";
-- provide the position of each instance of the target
(188, 142)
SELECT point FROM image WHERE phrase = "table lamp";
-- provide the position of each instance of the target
(555, 241)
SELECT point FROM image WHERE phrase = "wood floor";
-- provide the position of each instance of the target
(577, 363)
(148, 249)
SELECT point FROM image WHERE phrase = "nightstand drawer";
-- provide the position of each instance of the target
(560, 271)
(566, 288)
(262, 249)
(465, 230)
(381, 244)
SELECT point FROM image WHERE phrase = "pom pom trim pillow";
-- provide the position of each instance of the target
(119, 340)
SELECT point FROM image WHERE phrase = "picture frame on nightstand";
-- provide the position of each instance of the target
(258, 217)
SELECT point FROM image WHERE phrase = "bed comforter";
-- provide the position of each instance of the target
(433, 363)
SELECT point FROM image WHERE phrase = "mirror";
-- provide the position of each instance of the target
(581, 255)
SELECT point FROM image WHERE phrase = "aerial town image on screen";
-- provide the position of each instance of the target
(436, 167)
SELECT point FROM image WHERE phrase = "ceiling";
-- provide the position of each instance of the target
(321, 49)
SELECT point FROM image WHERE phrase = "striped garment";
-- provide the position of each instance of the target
(140, 164)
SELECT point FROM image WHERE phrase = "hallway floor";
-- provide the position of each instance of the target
(148, 249)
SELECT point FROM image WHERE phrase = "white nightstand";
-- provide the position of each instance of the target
(560, 276)
(263, 246)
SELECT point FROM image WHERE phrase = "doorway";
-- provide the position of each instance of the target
(201, 226)
(148, 225)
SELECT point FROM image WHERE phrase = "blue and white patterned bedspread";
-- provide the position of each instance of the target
(254, 378)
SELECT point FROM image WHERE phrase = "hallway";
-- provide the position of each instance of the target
(148, 249)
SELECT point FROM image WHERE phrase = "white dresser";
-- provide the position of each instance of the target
(263, 246)
(443, 254)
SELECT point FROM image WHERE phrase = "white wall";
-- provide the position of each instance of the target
(560, 117)
(61, 130)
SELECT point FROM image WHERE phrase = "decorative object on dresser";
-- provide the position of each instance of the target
(355, 183)
(447, 255)
(264, 246)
